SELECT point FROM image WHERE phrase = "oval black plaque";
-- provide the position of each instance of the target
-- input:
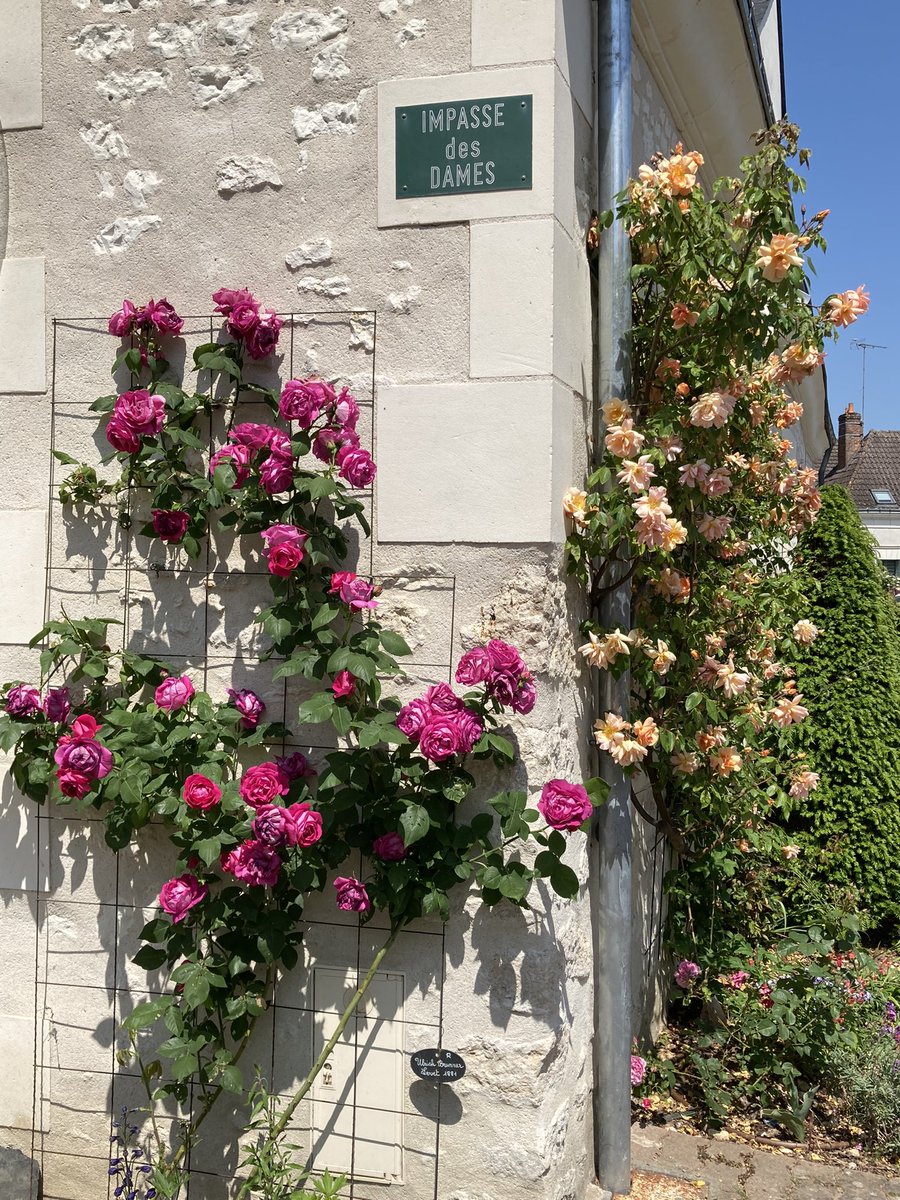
(438, 1066)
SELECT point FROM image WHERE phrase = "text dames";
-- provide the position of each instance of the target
(465, 168)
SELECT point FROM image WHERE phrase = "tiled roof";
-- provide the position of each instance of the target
(876, 465)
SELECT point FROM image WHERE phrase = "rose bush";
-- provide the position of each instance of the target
(127, 735)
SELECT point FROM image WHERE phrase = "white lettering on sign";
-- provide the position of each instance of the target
(469, 175)
(448, 118)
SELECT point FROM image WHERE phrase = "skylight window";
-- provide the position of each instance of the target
(882, 496)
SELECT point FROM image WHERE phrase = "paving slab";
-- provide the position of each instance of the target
(734, 1171)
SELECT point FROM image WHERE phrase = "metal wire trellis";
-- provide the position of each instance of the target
(66, 999)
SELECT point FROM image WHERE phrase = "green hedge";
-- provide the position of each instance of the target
(850, 676)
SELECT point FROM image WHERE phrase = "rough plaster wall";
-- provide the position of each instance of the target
(186, 147)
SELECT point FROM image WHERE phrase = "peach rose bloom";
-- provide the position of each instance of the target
(615, 410)
(712, 410)
(732, 681)
(646, 731)
(654, 503)
(673, 585)
(575, 505)
(661, 656)
(679, 171)
(805, 632)
(650, 531)
(694, 474)
(846, 307)
(623, 440)
(611, 726)
(778, 256)
(687, 762)
(713, 528)
(626, 751)
(602, 652)
(725, 761)
(671, 447)
(636, 474)
(669, 368)
(718, 483)
(708, 739)
(788, 711)
(802, 784)
(682, 315)
(790, 852)
(674, 534)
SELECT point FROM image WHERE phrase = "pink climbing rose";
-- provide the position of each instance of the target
(180, 895)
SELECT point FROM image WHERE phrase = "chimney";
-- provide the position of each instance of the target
(850, 435)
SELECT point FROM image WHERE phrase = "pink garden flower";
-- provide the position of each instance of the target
(200, 792)
(305, 400)
(22, 700)
(261, 784)
(638, 1070)
(351, 895)
(254, 863)
(389, 847)
(563, 805)
(344, 684)
(170, 525)
(179, 895)
(307, 822)
(249, 705)
(142, 412)
(174, 693)
(686, 973)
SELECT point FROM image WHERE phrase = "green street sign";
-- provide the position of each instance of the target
(461, 146)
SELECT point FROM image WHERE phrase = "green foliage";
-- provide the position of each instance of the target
(850, 678)
(866, 1081)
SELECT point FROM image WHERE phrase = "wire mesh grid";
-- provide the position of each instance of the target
(378, 1124)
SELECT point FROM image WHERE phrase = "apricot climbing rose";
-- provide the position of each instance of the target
(683, 315)
(805, 632)
(845, 307)
(624, 440)
(778, 256)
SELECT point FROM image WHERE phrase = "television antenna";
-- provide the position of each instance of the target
(864, 346)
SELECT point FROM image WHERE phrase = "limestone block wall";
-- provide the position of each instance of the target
(169, 147)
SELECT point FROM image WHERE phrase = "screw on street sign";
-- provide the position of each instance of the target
(447, 149)
(438, 1066)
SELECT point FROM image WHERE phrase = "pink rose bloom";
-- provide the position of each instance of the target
(525, 697)
(248, 705)
(356, 467)
(121, 323)
(174, 693)
(563, 805)
(338, 579)
(22, 700)
(346, 410)
(475, 667)
(638, 1070)
(226, 298)
(304, 400)
(739, 979)
(243, 318)
(274, 826)
(505, 657)
(261, 784)
(283, 558)
(390, 847)
(329, 442)
(144, 412)
(307, 823)
(358, 594)
(200, 792)
(470, 728)
(686, 972)
(440, 739)
(502, 687)
(122, 437)
(57, 705)
(254, 863)
(180, 895)
(344, 684)
(170, 525)
(441, 699)
(83, 755)
(296, 766)
(252, 435)
(290, 534)
(413, 717)
(73, 783)
(85, 726)
(235, 456)
(162, 315)
(263, 337)
(351, 895)
(276, 475)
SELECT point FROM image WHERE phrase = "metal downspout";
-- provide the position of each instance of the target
(611, 840)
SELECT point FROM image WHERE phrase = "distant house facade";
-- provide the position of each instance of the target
(868, 466)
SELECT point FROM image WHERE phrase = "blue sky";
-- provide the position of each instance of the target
(842, 84)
